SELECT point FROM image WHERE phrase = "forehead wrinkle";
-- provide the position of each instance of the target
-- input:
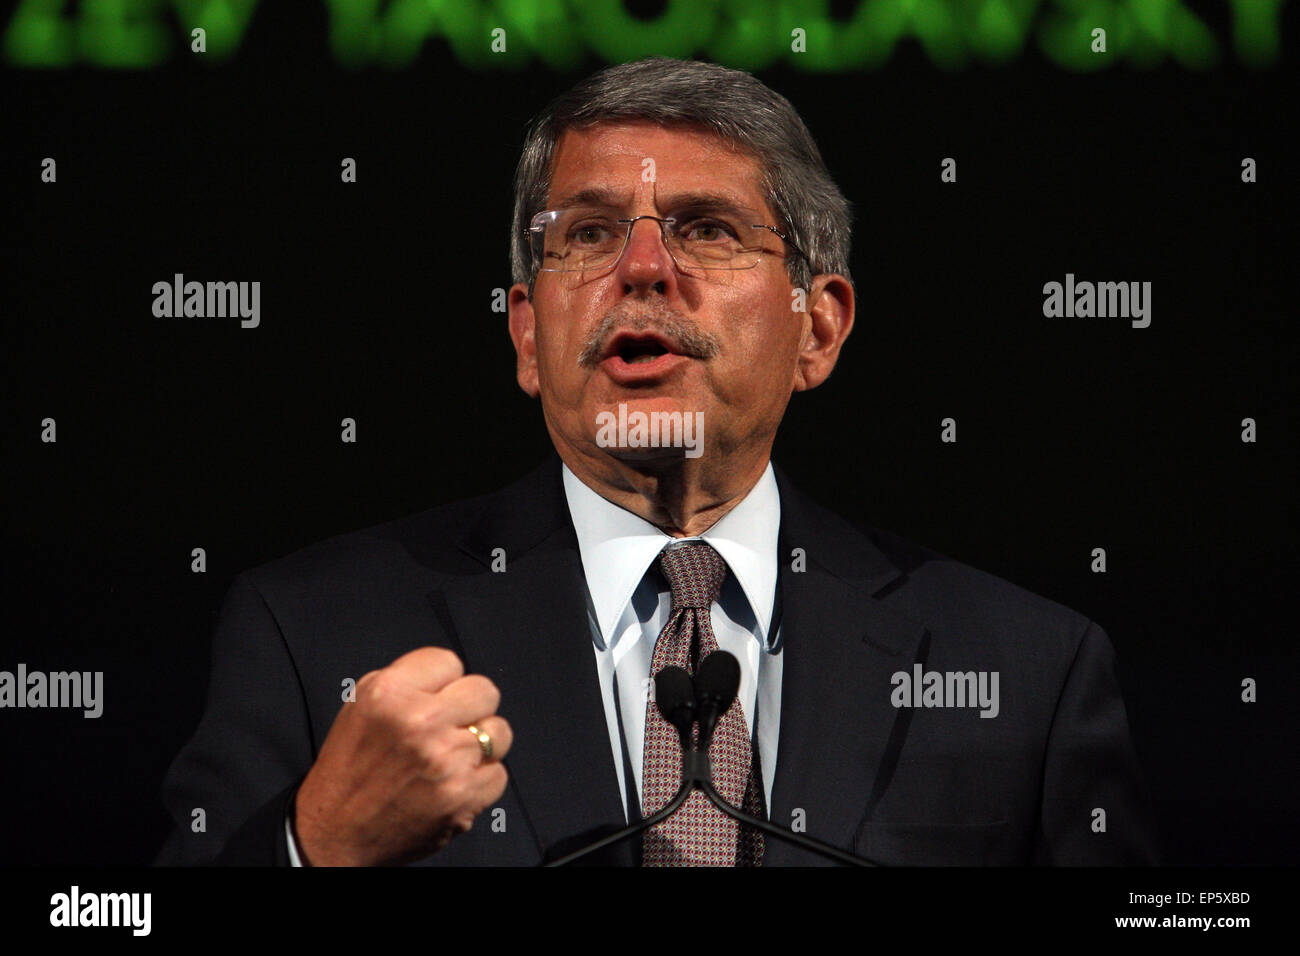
(692, 199)
(592, 196)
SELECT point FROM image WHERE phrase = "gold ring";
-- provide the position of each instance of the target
(484, 741)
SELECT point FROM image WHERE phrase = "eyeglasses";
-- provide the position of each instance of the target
(581, 240)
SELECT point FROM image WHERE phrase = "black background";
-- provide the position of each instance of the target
(376, 305)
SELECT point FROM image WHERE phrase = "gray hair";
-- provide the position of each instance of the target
(729, 103)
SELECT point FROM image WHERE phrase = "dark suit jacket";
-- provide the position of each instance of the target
(903, 786)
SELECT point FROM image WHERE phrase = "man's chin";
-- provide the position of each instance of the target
(647, 456)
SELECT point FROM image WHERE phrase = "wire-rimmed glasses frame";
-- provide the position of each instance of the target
(685, 254)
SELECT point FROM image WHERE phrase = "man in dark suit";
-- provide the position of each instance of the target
(470, 685)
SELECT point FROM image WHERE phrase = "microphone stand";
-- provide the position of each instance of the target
(697, 774)
(676, 702)
(789, 836)
(632, 830)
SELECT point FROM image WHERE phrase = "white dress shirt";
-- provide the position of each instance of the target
(627, 610)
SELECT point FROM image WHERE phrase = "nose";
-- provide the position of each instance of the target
(646, 262)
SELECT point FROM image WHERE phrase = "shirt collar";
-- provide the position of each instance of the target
(617, 548)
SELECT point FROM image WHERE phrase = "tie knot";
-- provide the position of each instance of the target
(695, 573)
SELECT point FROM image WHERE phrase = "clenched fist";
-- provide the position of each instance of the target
(400, 774)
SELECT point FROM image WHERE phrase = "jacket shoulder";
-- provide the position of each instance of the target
(414, 547)
(954, 598)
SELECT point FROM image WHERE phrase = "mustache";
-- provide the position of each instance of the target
(684, 336)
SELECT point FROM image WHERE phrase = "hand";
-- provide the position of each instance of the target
(399, 775)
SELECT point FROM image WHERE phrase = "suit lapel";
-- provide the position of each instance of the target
(838, 735)
(527, 630)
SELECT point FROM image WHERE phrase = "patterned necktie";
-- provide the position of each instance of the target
(698, 834)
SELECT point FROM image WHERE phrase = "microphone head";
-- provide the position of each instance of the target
(716, 680)
(675, 698)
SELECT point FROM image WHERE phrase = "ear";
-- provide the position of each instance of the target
(523, 329)
(828, 322)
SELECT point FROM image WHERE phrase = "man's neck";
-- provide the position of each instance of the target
(682, 497)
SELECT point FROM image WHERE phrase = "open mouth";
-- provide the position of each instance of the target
(638, 359)
(640, 351)
(638, 348)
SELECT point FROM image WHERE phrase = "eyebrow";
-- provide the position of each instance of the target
(695, 200)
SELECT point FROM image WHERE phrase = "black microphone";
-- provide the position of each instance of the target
(716, 681)
(675, 698)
